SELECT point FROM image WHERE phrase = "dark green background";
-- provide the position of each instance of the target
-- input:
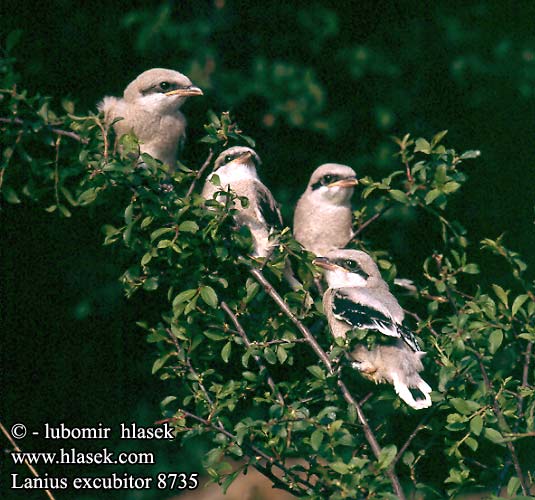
(311, 82)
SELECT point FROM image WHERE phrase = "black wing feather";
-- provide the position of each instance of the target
(269, 208)
(362, 316)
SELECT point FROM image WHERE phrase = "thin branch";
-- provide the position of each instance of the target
(421, 426)
(221, 428)
(57, 131)
(257, 274)
(372, 219)
(199, 173)
(258, 360)
(17, 449)
(4, 168)
(368, 432)
(257, 451)
(502, 423)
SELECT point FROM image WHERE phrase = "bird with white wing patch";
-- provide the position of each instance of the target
(358, 297)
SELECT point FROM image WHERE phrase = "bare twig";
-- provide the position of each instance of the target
(421, 426)
(260, 453)
(257, 274)
(4, 168)
(368, 432)
(221, 428)
(502, 423)
(372, 219)
(258, 360)
(57, 131)
(199, 173)
(17, 449)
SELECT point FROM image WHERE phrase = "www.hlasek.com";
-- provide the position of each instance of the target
(114, 481)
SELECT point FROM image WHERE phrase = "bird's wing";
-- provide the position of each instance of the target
(268, 208)
(359, 315)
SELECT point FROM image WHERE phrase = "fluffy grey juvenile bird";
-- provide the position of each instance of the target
(323, 217)
(236, 167)
(150, 107)
(358, 297)
(397, 365)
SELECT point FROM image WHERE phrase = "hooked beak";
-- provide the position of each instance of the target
(188, 91)
(325, 263)
(344, 183)
(244, 158)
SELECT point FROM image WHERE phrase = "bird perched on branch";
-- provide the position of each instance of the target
(236, 167)
(358, 297)
(323, 217)
(150, 108)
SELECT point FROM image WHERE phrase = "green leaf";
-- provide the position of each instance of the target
(495, 340)
(512, 486)
(501, 294)
(225, 352)
(129, 214)
(158, 232)
(450, 187)
(493, 435)
(339, 467)
(398, 195)
(431, 196)
(465, 406)
(184, 297)
(146, 222)
(209, 296)
(229, 480)
(519, 302)
(471, 269)
(167, 400)
(470, 154)
(10, 195)
(316, 371)
(188, 226)
(160, 362)
(282, 355)
(471, 443)
(316, 439)
(438, 137)
(421, 145)
(388, 453)
(476, 425)
(270, 355)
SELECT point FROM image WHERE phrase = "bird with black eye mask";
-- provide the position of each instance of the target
(150, 108)
(323, 217)
(236, 168)
(358, 298)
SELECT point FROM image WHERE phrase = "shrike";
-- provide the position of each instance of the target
(323, 217)
(358, 297)
(150, 107)
(236, 167)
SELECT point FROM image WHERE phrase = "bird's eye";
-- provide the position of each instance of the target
(165, 85)
(327, 179)
(351, 264)
(228, 158)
